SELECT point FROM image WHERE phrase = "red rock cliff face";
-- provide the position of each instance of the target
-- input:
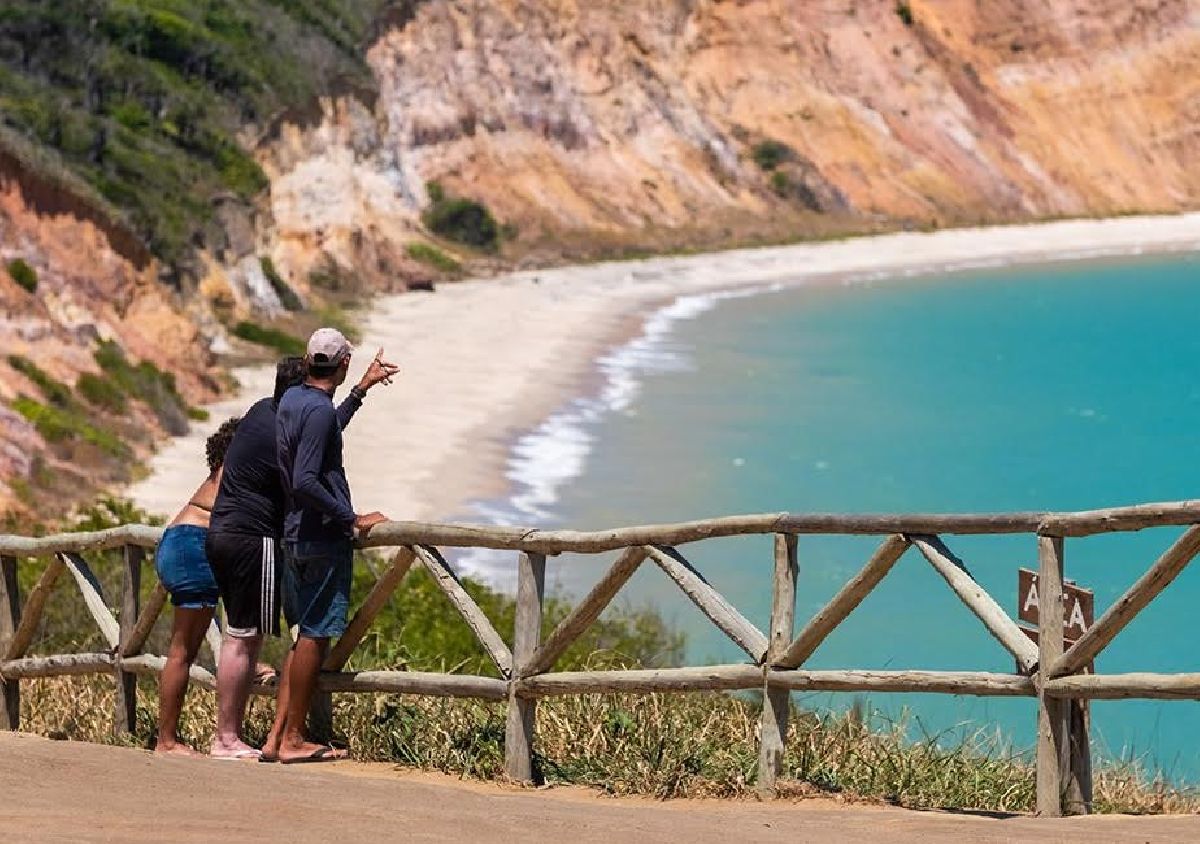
(86, 291)
(634, 121)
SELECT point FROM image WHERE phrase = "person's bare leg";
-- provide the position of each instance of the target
(235, 673)
(307, 656)
(283, 696)
(187, 632)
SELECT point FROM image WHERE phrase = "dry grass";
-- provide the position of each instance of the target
(666, 746)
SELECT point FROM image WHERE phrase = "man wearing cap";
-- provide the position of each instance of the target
(318, 531)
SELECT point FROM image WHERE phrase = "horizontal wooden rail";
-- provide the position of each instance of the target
(1082, 523)
(1120, 686)
(709, 678)
(975, 683)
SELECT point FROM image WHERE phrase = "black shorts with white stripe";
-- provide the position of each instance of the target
(247, 578)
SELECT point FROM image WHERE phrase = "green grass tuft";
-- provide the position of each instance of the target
(23, 274)
(770, 154)
(433, 257)
(58, 425)
(101, 392)
(280, 341)
(905, 13)
(461, 220)
(146, 382)
(55, 392)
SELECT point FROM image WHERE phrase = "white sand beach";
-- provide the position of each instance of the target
(484, 361)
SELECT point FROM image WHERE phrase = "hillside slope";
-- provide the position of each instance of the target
(173, 169)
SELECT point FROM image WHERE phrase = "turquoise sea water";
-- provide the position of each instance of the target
(1064, 387)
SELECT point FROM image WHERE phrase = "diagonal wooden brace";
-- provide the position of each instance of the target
(585, 613)
(711, 602)
(843, 603)
(479, 623)
(93, 597)
(978, 601)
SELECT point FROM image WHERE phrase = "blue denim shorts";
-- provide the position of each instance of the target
(182, 567)
(316, 586)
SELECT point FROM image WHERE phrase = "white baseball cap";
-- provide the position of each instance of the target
(327, 347)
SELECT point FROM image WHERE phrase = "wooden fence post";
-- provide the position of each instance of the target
(527, 631)
(1063, 758)
(773, 724)
(10, 619)
(125, 710)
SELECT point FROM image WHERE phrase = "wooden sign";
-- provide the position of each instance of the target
(1079, 605)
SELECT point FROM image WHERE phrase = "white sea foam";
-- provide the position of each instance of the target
(544, 460)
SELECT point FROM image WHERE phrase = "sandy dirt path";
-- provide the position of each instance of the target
(60, 791)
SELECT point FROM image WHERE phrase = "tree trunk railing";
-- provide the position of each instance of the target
(1046, 673)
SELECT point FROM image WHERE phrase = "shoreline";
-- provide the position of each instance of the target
(488, 364)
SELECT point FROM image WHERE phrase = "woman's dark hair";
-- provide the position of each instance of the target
(216, 445)
(289, 372)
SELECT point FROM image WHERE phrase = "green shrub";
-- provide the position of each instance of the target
(56, 392)
(770, 154)
(287, 296)
(904, 12)
(145, 382)
(101, 392)
(198, 414)
(57, 425)
(432, 256)
(23, 274)
(462, 221)
(280, 341)
(780, 183)
(436, 192)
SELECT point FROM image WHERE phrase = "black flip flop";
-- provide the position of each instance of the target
(318, 755)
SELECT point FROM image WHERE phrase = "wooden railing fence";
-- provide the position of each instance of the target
(776, 658)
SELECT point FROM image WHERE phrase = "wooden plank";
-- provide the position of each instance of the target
(125, 704)
(978, 601)
(10, 623)
(398, 534)
(1053, 740)
(773, 721)
(78, 543)
(527, 630)
(585, 612)
(1138, 517)
(340, 653)
(416, 683)
(710, 602)
(1142, 685)
(89, 587)
(56, 666)
(1126, 608)
(843, 603)
(976, 683)
(34, 606)
(145, 621)
(479, 623)
(708, 678)
(149, 664)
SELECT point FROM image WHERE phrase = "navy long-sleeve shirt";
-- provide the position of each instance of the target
(308, 447)
(251, 499)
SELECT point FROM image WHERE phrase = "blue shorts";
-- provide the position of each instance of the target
(183, 567)
(316, 586)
